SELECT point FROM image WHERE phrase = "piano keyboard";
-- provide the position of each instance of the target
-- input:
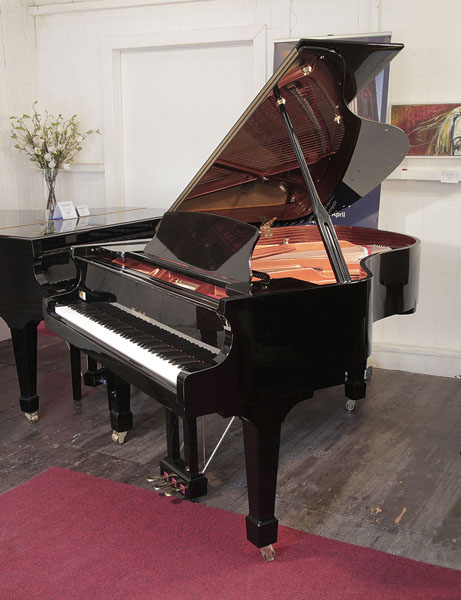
(160, 351)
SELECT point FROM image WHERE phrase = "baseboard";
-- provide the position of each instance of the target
(429, 361)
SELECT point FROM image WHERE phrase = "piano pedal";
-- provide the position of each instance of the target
(118, 437)
(176, 489)
(160, 486)
(170, 483)
(32, 417)
(170, 490)
(164, 481)
(165, 477)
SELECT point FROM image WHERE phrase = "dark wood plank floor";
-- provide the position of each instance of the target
(386, 476)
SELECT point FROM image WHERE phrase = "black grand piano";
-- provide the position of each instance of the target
(35, 262)
(247, 299)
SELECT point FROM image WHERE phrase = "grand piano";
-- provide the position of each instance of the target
(35, 262)
(247, 299)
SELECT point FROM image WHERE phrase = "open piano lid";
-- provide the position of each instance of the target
(254, 176)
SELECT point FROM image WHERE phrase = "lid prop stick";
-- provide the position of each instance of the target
(322, 218)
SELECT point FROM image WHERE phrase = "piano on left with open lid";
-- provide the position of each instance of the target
(35, 261)
(247, 299)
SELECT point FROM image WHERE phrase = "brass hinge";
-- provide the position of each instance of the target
(265, 228)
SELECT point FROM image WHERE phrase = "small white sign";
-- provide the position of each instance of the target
(449, 177)
(66, 225)
(65, 210)
(83, 210)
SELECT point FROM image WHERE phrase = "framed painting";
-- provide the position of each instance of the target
(433, 129)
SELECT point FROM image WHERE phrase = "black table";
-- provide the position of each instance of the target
(35, 262)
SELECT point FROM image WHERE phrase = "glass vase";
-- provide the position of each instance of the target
(50, 179)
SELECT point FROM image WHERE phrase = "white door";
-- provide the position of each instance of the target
(177, 105)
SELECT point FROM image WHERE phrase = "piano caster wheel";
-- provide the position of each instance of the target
(368, 373)
(118, 437)
(268, 553)
(350, 405)
(32, 417)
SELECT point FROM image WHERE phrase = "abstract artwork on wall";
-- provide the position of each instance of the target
(433, 129)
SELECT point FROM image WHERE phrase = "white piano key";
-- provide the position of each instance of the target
(143, 357)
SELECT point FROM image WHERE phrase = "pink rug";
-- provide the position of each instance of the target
(43, 330)
(66, 536)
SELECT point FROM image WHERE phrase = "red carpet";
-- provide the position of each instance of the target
(42, 330)
(64, 535)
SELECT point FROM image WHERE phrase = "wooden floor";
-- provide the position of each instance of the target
(386, 476)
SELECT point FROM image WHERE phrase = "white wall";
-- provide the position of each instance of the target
(426, 71)
(72, 41)
(19, 185)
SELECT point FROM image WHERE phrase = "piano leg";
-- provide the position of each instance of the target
(261, 433)
(198, 482)
(355, 386)
(121, 417)
(25, 354)
(172, 435)
(186, 469)
(75, 368)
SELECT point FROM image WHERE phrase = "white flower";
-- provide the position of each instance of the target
(38, 150)
(60, 147)
(59, 128)
(52, 164)
(38, 141)
(47, 156)
(69, 131)
(66, 166)
(51, 148)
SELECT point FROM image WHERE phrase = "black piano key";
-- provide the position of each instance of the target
(145, 342)
(160, 349)
(159, 341)
(173, 357)
(190, 360)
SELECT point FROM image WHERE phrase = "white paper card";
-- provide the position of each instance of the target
(64, 210)
(449, 176)
(68, 225)
(83, 210)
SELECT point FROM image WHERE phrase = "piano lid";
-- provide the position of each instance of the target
(253, 175)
